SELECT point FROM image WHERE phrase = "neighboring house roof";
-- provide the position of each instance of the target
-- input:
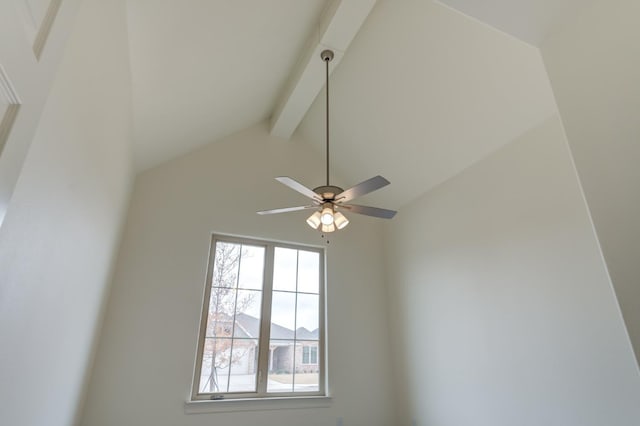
(249, 327)
(304, 334)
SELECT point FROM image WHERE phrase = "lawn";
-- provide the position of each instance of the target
(301, 379)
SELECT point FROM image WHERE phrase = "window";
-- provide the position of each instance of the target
(262, 326)
(310, 354)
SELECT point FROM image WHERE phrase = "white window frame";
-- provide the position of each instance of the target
(265, 324)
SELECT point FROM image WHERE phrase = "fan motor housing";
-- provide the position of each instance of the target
(328, 192)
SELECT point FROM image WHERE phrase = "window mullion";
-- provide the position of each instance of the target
(265, 321)
(295, 324)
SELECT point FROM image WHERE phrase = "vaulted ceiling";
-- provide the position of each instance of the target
(529, 20)
(204, 69)
(420, 93)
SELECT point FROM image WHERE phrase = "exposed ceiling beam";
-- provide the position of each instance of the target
(339, 24)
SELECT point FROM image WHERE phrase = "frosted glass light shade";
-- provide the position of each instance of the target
(314, 220)
(328, 228)
(327, 216)
(340, 220)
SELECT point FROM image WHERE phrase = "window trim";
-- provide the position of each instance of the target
(265, 324)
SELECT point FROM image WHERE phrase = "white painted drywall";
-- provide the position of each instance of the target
(503, 312)
(63, 223)
(423, 93)
(145, 361)
(30, 77)
(529, 20)
(594, 68)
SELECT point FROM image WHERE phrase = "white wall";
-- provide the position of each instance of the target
(30, 79)
(594, 68)
(502, 309)
(61, 228)
(145, 360)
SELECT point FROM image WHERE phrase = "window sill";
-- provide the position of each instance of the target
(256, 404)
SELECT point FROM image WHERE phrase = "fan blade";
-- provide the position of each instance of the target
(369, 211)
(362, 188)
(286, 210)
(297, 186)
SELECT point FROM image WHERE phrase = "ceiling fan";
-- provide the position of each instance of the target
(328, 199)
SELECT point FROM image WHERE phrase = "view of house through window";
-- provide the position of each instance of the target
(261, 332)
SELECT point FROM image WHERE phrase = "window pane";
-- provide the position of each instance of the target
(221, 309)
(308, 317)
(251, 267)
(307, 375)
(284, 269)
(226, 263)
(307, 382)
(281, 366)
(248, 306)
(244, 364)
(283, 315)
(214, 373)
(308, 271)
